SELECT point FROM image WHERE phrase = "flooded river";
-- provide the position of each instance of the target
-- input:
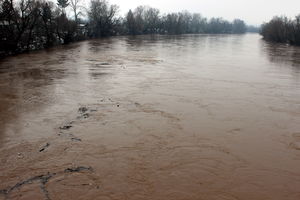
(191, 117)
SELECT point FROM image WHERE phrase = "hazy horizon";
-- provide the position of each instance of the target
(253, 12)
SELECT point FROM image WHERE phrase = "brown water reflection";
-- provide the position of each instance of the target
(152, 117)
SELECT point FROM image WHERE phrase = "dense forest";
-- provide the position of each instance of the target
(35, 24)
(282, 30)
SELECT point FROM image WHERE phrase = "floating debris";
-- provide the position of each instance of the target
(44, 147)
(78, 169)
(66, 127)
(43, 179)
(86, 115)
(20, 155)
(105, 63)
(82, 110)
(76, 139)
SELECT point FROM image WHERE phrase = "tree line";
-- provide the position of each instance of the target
(147, 20)
(282, 30)
(35, 24)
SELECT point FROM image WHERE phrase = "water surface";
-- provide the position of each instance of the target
(212, 117)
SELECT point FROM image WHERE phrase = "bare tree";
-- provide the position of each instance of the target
(76, 8)
(283, 30)
(130, 23)
(63, 4)
(102, 17)
(152, 20)
(239, 26)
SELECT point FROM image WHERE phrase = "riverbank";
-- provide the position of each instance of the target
(282, 30)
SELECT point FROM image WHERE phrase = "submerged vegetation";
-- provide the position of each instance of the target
(282, 30)
(36, 24)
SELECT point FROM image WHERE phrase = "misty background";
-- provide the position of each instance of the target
(253, 12)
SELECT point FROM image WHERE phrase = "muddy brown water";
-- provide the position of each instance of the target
(191, 117)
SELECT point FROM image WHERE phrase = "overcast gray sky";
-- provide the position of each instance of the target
(252, 11)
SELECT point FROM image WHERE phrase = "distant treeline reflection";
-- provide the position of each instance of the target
(282, 30)
(35, 24)
(282, 55)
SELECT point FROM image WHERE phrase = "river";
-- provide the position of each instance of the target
(190, 117)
